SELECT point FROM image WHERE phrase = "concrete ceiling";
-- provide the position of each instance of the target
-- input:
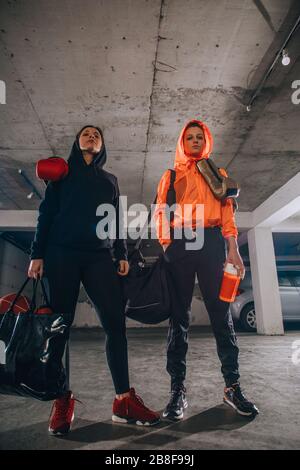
(140, 69)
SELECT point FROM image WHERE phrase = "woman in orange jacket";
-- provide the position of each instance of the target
(207, 262)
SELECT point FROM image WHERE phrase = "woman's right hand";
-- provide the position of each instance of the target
(36, 268)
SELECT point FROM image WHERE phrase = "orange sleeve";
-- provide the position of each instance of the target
(161, 221)
(229, 228)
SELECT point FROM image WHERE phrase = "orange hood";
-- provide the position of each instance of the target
(181, 159)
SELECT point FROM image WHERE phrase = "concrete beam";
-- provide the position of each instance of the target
(18, 220)
(281, 205)
(292, 225)
(26, 220)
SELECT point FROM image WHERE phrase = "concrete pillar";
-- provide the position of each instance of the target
(265, 282)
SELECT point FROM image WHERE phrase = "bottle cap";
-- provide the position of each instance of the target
(231, 269)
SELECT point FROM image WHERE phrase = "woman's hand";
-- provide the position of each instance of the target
(234, 257)
(123, 267)
(36, 268)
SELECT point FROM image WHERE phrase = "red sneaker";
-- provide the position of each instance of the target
(132, 410)
(62, 415)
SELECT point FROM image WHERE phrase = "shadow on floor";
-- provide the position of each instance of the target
(218, 418)
(84, 432)
(87, 432)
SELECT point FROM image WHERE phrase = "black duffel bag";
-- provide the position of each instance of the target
(146, 291)
(145, 288)
(35, 343)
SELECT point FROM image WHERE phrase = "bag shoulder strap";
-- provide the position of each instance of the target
(172, 182)
(171, 199)
(173, 178)
(213, 168)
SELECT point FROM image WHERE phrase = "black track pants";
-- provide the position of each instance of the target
(64, 269)
(207, 263)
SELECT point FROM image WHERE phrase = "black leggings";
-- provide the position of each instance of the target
(207, 263)
(64, 269)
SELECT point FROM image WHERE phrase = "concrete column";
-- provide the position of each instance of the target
(265, 282)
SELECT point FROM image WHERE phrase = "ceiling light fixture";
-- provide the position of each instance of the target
(285, 61)
(285, 57)
(29, 182)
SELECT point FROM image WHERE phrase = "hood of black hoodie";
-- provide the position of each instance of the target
(76, 159)
(70, 208)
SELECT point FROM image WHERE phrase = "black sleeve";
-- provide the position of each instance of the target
(119, 243)
(47, 211)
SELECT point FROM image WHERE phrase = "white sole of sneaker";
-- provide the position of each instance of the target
(242, 413)
(173, 418)
(176, 418)
(117, 419)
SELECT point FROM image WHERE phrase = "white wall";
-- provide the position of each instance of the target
(13, 268)
(86, 316)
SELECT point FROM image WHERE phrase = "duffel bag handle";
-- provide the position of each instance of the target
(45, 293)
(33, 298)
(35, 286)
(143, 231)
(18, 294)
(171, 199)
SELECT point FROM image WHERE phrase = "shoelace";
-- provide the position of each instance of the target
(175, 393)
(62, 406)
(177, 390)
(78, 401)
(233, 387)
(239, 392)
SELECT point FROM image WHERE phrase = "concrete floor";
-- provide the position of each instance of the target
(268, 376)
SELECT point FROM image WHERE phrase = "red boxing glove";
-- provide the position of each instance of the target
(52, 169)
(21, 306)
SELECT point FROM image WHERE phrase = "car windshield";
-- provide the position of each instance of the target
(285, 279)
(295, 278)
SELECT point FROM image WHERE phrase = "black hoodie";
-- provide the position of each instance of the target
(67, 215)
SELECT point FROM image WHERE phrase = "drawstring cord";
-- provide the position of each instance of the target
(96, 169)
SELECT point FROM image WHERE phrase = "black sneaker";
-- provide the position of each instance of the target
(177, 404)
(234, 397)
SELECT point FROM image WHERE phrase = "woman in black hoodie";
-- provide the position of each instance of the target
(67, 247)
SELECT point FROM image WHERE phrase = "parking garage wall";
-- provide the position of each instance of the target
(13, 272)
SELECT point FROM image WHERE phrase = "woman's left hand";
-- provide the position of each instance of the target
(235, 258)
(123, 267)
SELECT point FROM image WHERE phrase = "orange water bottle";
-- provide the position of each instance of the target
(230, 283)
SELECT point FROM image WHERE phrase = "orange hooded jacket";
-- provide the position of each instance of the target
(192, 189)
